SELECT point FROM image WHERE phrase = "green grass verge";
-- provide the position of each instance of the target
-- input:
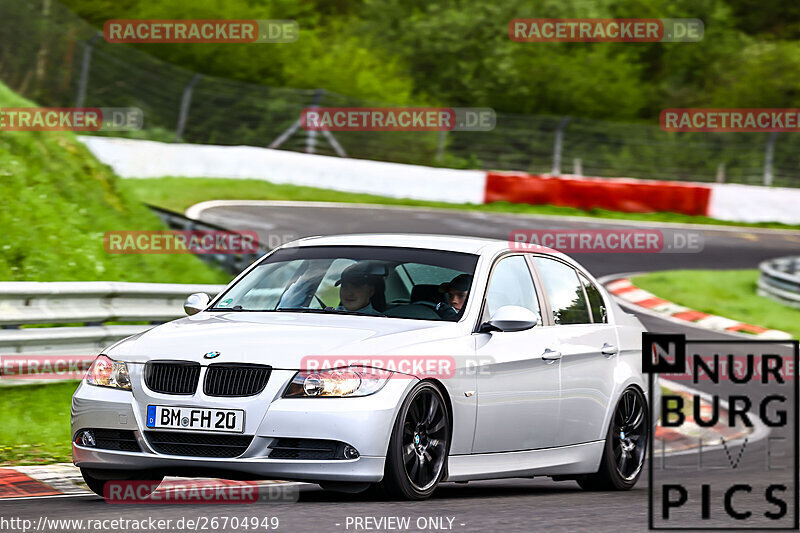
(177, 194)
(35, 427)
(56, 203)
(728, 293)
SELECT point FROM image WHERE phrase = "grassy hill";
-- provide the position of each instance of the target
(57, 201)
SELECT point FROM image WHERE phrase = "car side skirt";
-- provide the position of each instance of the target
(564, 460)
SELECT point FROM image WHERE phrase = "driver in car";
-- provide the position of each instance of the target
(455, 294)
(356, 288)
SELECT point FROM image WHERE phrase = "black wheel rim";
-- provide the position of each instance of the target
(629, 438)
(424, 439)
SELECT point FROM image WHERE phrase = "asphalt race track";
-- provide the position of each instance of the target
(722, 247)
(505, 505)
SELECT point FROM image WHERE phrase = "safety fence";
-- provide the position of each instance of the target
(55, 58)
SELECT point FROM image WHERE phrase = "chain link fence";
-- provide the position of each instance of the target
(56, 59)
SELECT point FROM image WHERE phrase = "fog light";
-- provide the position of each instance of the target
(85, 438)
(350, 452)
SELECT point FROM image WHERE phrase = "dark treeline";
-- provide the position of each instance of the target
(457, 52)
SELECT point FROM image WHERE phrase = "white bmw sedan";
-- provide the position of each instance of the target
(389, 361)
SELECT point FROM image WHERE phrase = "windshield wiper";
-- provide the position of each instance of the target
(325, 310)
(300, 309)
(331, 310)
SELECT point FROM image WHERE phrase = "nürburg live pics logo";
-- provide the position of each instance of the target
(725, 456)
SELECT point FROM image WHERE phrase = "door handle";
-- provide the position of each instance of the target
(609, 349)
(551, 355)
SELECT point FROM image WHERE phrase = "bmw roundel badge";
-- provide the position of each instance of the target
(211, 355)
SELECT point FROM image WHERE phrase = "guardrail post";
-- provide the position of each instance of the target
(41, 56)
(186, 101)
(558, 145)
(85, 63)
(311, 135)
(721, 172)
(577, 166)
(440, 145)
(769, 157)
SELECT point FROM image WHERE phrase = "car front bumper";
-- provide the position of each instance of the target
(364, 423)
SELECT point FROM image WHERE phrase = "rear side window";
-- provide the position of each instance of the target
(599, 313)
(564, 291)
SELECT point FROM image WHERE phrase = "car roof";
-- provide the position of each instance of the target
(453, 243)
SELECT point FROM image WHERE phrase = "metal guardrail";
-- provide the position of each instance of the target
(780, 280)
(93, 304)
(86, 309)
(84, 314)
(232, 263)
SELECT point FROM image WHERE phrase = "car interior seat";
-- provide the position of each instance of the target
(426, 293)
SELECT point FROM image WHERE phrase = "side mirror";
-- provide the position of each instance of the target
(195, 303)
(510, 318)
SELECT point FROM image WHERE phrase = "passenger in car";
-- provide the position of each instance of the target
(356, 289)
(455, 294)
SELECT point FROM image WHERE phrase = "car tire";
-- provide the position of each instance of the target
(96, 479)
(626, 446)
(416, 460)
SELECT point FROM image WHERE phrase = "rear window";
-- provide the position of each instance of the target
(596, 303)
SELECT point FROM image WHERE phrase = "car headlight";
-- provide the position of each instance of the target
(336, 383)
(106, 372)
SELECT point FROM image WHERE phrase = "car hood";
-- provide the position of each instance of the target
(281, 340)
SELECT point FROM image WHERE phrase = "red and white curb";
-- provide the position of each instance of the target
(623, 289)
(41, 481)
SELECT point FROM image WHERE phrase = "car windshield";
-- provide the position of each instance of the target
(378, 281)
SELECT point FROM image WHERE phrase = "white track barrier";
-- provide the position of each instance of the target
(752, 203)
(148, 159)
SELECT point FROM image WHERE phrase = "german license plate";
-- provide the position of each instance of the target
(163, 417)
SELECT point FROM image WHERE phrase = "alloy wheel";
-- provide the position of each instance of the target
(629, 438)
(424, 439)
